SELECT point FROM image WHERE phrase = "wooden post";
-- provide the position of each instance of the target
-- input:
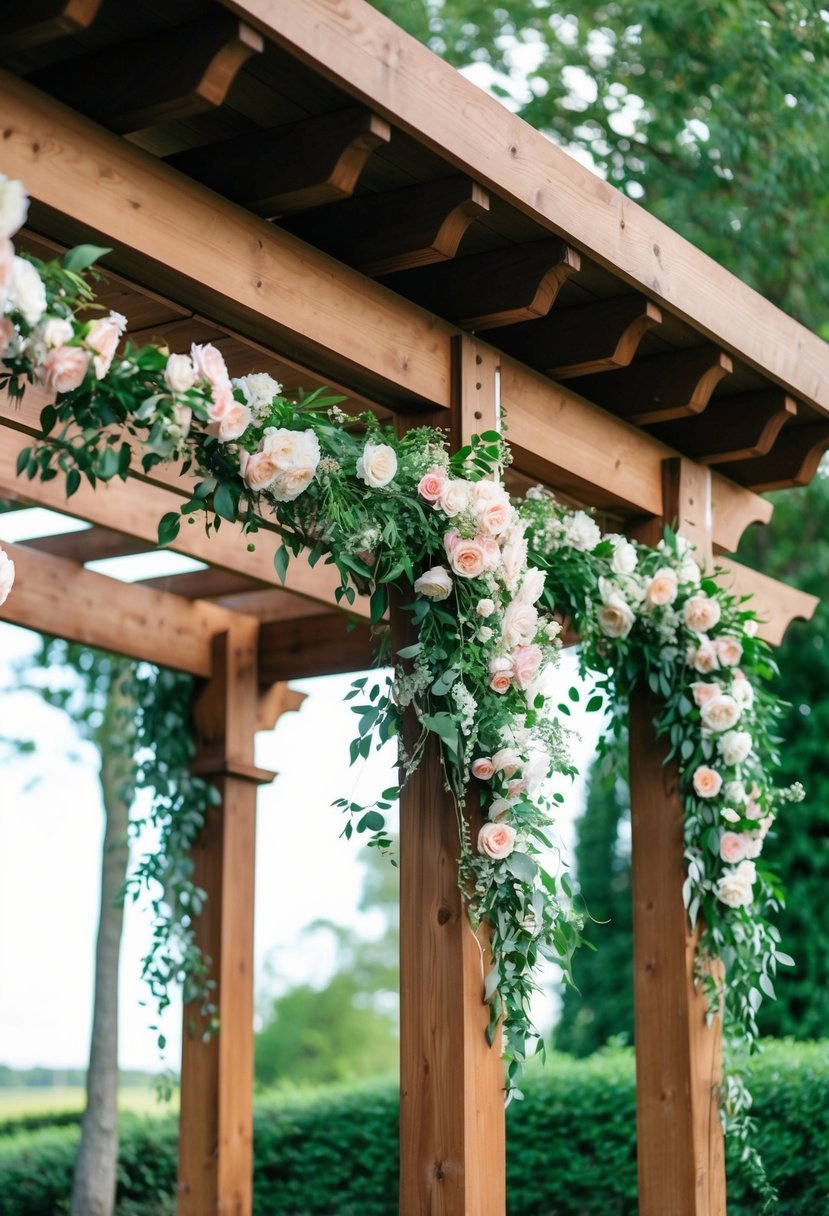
(216, 1122)
(678, 1057)
(452, 1146)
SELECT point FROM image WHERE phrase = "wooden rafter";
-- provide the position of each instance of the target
(581, 341)
(663, 387)
(793, 460)
(735, 428)
(382, 233)
(89, 545)
(301, 165)
(30, 23)
(151, 80)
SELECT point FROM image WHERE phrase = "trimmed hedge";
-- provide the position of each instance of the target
(571, 1147)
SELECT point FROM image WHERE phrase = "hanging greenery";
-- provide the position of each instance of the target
(480, 577)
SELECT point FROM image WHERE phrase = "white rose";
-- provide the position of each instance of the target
(720, 713)
(616, 618)
(454, 498)
(734, 791)
(485, 607)
(6, 576)
(734, 746)
(27, 295)
(520, 624)
(14, 204)
(513, 556)
(56, 331)
(532, 585)
(734, 888)
(258, 389)
(484, 634)
(179, 374)
(290, 449)
(742, 691)
(581, 532)
(506, 761)
(486, 491)
(435, 584)
(688, 571)
(377, 465)
(624, 557)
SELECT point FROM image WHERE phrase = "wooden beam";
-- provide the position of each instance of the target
(660, 388)
(313, 646)
(452, 1158)
(580, 341)
(90, 545)
(793, 461)
(382, 233)
(272, 605)
(56, 596)
(172, 74)
(31, 23)
(275, 701)
(777, 603)
(207, 584)
(488, 290)
(216, 1117)
(734, 428)
(374, 61)
(291, 168)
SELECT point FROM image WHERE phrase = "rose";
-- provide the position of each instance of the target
(209, 364)
(454, 498)
(720, 713)
(258, 390)
(734, 746)
(729, 814)
(102, 338)
(290, 449)
(484, 634)
(496, 840)
(700, 613)
(501, 672)
(516, 787)
(553, 630)
(734, 889)
(729, 651)
(616, 617)
(527, 660)
(688, 571)
(377, 465)
(290, 483)
(485, 607)
(435, 584)
(494, 517)
(451, 540)
(703, 658)
(499, 810)
(705, 692)
(581, 532)
(14, 204)
(258, 470)
(179, 374)
(56, 331)
(26, 293)
(507, 761)
(513, 556)
(484, 491)
(467, 559)
(483, 768)
(6, 576)
(430, 486)
(519, 625)
(63, 369)
(662, 588)
(707, 782)
(532, 586)
(491, 551)
(732, 847)
(735, 791)
(742, 690)
(234, 421)
(624, 557)
(754, 844)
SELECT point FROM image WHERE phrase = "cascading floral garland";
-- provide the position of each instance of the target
(403, 514)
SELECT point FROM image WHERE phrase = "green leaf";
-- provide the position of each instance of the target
(73, 481)
(522, 866)
(83, 256)
(168, 527)
(224, 502)
(48, 418)
(372, 821)
(280, 562)
(22, 460)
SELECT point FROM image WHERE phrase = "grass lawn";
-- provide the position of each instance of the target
(34, 1100)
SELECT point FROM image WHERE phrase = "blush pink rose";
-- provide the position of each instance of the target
(729, 651)
(430, 486)
(496, 840)
(527, 660)
(516, 787)
(483, 768)
(103, 338)
(703, 658)
(494, 517)
(451, 540)
(662, 589)
(258, 470)
(732, 847)
(63, 369)
(707, 782)
(491, 551)
(704, 692)
(501, 672)
(701, 613)
(232, 418)
(467, 559)
(209, 364)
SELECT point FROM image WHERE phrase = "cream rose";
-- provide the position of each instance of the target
(754, 844)
(703, 692)
(707, 782)
(483, 768)
(734, 746)
(494, 518)
(179, 374)
(519, 625)
(624, 557)
(290, 483)
(742, 690)
(720, 713)
(527, 660)
(616, 617)
(6, 576)
(703, 658)
(732, 847)
(496, 840)
(430, 487)
(14, 205)
(435, 584)
(729, 651)
(700, 613)
(454, 498)
(258, 470)
(102, 339)
(507, 761)
(377, 465)
(662, 588)
(735, 791)
(485, 607)
(209, 364)
(56, 331)
(532, 586)
(26, 293)
(467, 559)
(63, 369)
(734, 888)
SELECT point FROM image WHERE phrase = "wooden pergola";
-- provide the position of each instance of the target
(307, 187)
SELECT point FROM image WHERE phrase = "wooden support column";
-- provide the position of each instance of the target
(451, 1082)
(678, 1058)
(216, 1137)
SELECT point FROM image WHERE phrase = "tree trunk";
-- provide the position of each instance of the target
(95, 1171)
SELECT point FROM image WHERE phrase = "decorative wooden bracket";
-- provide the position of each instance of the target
(793, 460)
(148, 81)
(777, 603)
(31, 23)
(275, 701)
(312, 646)
(302, 165)
(218, 765)
(579, 341)
(662, 387)
(734, 428)
(476, 293)
(382, 233)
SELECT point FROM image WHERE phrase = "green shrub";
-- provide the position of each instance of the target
(570, 1147)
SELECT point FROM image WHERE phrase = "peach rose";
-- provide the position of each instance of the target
(102, 338)
(258, 470)
(732, 847)
(520, 624)
(209, 364)
(501, 671)
(431, 485)
(496, 840)
(707, 782)
(63, 369)
(435, 584)
(703, 692)
(662, 589)
(701, 613)
(290, 483)
(232, 418)
(729, 651)
(467, 559)
(483, 768)
(494, 517)
(703, 658)
(527, 662)
(720, 713)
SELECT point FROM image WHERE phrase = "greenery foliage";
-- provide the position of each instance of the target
(570, 1147)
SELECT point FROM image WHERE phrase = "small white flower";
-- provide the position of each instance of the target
(624, 556)
(484, 634)
(581, 532)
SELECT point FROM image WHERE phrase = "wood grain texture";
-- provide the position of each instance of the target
(372, 60)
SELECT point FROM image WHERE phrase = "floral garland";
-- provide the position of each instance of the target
(392, 514)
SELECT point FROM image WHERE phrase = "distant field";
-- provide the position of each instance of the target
(36, 1101)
